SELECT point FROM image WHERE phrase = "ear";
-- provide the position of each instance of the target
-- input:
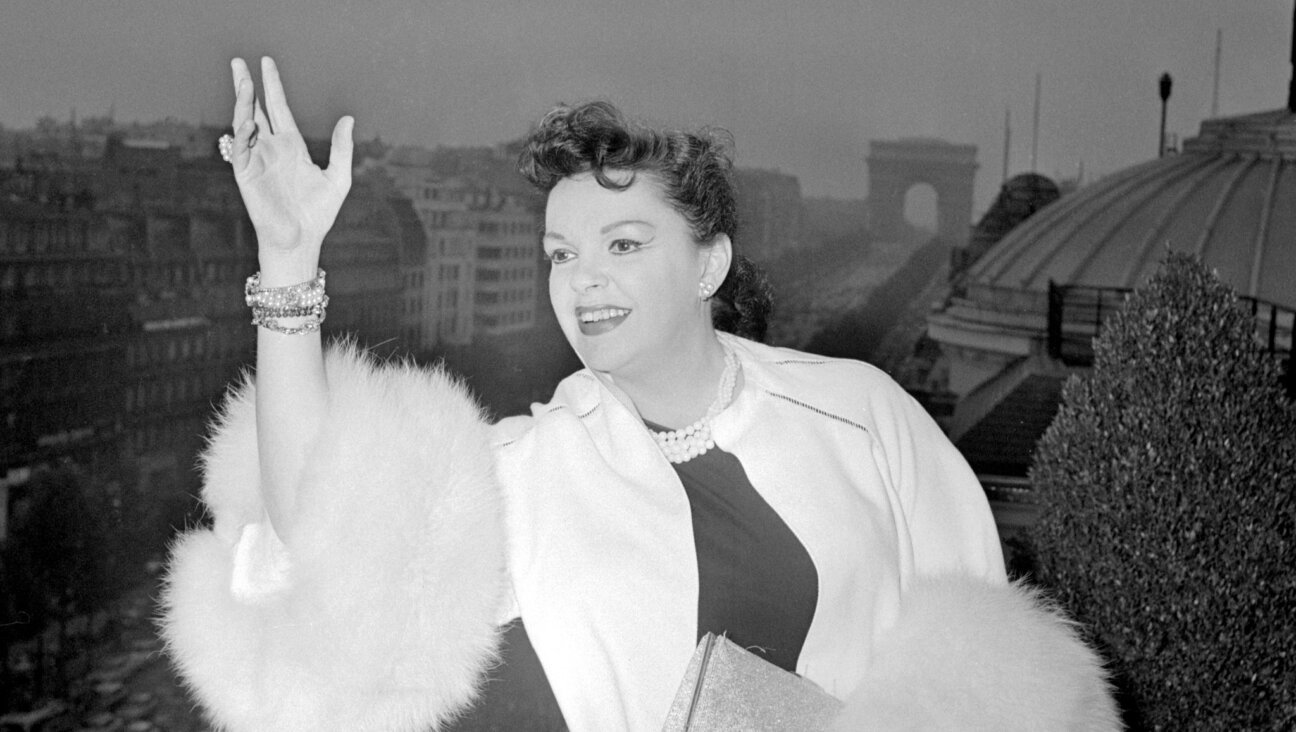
(718, 257)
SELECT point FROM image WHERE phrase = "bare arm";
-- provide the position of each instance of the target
(292, 204)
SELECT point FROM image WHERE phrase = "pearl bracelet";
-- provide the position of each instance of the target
(302, 300)
(301, 295)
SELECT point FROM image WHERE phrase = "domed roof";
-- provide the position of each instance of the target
(1229, 196)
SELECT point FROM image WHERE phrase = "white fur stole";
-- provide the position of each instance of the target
(397, 571)
(973, 656)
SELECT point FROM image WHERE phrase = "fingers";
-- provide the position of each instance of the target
(243, 99)
(339, 168)
(242, 154)
(259, 116)
(245, 102)
(276, 103)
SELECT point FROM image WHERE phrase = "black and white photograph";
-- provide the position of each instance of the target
(688, 366)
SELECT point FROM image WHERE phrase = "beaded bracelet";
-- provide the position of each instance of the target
(261, 319)
(302, 300)
(316, 310)
(302, 294)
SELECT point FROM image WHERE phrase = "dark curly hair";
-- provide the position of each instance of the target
(694, 169)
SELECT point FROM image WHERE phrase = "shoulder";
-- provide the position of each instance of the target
(576, 395)
(831, 384)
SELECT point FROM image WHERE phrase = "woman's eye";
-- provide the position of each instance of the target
(558, 256)
(624, 246)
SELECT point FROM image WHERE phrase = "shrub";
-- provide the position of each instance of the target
(1168, 488)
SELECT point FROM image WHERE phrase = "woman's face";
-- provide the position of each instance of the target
(625, 273)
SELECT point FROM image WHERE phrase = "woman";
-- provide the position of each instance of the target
(371, 533)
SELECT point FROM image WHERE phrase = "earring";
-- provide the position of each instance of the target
(704, 290)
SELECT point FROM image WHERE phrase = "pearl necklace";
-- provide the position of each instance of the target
(682, 445)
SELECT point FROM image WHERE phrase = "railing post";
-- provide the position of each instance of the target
(1098, 319)
(1054, 320)
(1273, 328)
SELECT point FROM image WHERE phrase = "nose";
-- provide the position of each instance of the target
(588, 274)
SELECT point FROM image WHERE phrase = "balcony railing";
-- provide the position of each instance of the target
(1077, 312)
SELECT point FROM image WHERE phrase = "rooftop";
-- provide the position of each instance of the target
(1229, 197)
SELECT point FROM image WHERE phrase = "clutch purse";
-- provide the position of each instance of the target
(728, 688)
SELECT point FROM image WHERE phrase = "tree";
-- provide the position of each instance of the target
(52, 563)
(1168, 488)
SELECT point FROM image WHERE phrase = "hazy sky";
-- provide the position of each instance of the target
(802, 84)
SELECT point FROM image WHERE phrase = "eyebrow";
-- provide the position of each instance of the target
(605, 229)
(615, 224)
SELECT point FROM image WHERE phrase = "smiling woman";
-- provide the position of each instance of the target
(640, 227)
(631, 287)
(372, 533)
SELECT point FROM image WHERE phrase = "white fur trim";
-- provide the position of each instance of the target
(968, 655)
(397, 564)
(262, 565)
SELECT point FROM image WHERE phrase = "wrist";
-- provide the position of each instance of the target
(287, 309)
(284, 268)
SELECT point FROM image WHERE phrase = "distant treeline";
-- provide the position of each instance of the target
(857, 333)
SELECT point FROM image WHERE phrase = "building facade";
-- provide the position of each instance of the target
(362, 256)
(507, 258)
(122, 320)
(479, 273)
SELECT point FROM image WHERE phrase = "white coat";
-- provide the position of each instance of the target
(601, 538)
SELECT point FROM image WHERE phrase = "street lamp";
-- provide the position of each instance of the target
(1165, 85)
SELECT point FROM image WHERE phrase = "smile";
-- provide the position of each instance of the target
(599, 320)
(594, 316)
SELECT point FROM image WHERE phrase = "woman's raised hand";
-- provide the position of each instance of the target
(291, 201)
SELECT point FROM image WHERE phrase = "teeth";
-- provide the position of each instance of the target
(604, 314)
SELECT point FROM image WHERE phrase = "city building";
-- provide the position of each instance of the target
(63, 341)
(479, 273)
(439, 285)
(123, 321)
(362, 256)
(123, 318)
(508, 255)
